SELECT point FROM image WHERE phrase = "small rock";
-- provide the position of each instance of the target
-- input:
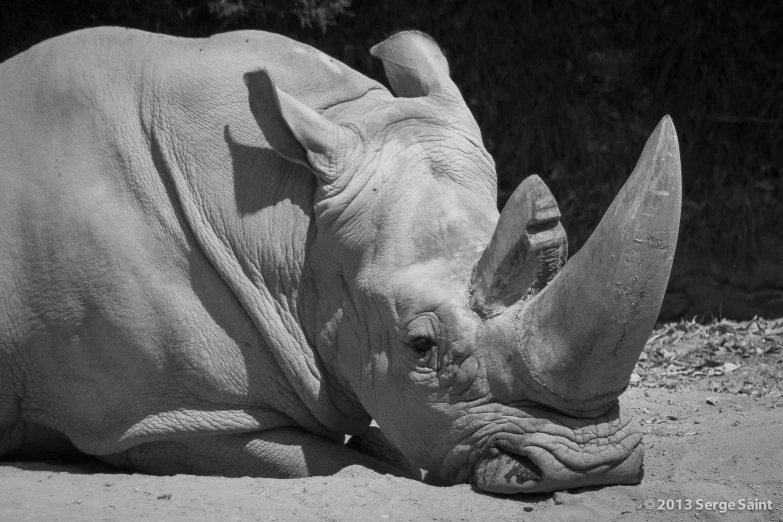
(528, 508)
(672, 417)
(563, 498)
(712, 401)
(736, 423)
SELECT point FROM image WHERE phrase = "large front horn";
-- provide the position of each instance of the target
(581, 336)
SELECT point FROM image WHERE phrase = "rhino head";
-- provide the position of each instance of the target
(481, 353)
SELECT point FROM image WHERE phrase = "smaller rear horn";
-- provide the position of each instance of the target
(528, 248)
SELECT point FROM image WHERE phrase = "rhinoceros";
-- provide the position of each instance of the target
(223, 256)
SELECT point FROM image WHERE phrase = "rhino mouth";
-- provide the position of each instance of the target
(533, 469)
(503, 472)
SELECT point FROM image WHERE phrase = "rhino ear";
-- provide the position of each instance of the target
(414, 64)
(297, 132)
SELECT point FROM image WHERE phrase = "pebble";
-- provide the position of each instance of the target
(563, 498)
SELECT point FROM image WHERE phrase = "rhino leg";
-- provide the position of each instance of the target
(374, 444)
(29, 440)
(279, 453)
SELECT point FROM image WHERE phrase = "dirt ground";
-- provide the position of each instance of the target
(708, 398)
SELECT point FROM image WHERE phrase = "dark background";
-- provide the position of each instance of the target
(568, 90)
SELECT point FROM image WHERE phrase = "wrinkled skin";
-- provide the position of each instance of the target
(213, 276)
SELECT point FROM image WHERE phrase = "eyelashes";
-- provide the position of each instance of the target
(422, 345)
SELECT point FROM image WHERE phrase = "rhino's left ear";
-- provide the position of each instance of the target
(414, 64)
(296, 131)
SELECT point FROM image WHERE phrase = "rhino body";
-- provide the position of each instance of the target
(221, 256)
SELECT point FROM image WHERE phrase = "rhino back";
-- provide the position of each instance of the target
(123, 156)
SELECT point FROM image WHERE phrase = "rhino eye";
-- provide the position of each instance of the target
(422, 345)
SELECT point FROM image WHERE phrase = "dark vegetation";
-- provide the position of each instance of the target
(569, 90)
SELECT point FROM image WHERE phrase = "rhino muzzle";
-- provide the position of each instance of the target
(569, 338)
(508, 473)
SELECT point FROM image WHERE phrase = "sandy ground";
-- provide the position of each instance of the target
(696, 451)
